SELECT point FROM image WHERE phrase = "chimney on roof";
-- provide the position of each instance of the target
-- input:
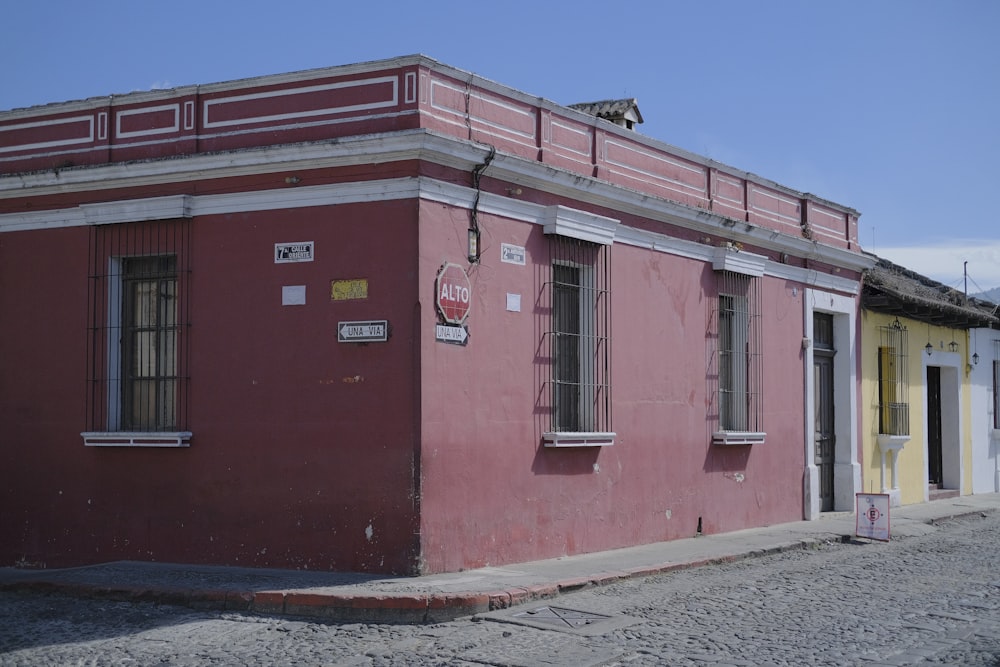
(624, 113)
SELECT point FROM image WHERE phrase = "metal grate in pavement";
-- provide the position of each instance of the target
(560, 616)
(563, 619)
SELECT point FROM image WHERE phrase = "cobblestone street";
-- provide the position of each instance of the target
(932, 599)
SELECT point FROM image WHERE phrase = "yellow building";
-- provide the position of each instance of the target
(915, 388)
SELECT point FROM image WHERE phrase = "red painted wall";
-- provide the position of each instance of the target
(303, 447)
(399, 456)
(493, 494)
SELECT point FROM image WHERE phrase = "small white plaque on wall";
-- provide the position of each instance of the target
(512, 254)
(300, 251)
(293, 295)
(514, 302)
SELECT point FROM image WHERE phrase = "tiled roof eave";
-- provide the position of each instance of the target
(915, 307)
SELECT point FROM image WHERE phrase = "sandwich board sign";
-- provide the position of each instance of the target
(873, 516)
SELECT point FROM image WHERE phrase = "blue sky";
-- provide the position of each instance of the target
(891, 107)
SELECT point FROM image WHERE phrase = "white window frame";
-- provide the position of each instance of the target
(748, 267)
(582, 226)
(98, 215)
(115, 436)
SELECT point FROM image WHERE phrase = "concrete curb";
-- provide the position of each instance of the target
(408, 608)
(359, 606)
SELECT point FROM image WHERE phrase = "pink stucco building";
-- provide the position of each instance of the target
(394, 317)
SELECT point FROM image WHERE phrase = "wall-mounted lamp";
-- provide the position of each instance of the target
(473, 245)
(928, 348)
(953, 346)
(975, 358)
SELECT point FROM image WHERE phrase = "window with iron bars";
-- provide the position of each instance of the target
(996, 384)
(738, 360)
(893, 381)
(137, 337)
(579, 386)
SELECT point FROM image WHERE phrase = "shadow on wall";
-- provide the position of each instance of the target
(730, 458)
(565, 460)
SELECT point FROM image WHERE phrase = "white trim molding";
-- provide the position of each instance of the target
(736, 261)
(600, 228)
(581, 225)
(432, 147)
(738, 437)
(137, 439)
(578, 439)
(890, 446)
(137, 210)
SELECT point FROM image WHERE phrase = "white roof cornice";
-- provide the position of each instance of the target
(420, 145)
(158, 208)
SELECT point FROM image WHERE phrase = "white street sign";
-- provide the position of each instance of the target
(286, 253)
(363, 332)
(447, 333)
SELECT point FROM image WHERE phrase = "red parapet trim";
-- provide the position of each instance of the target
(374, 98)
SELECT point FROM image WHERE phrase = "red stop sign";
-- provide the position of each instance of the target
(454, 293)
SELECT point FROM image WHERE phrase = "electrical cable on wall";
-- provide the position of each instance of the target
(474, 216)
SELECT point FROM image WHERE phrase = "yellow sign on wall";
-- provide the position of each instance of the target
(347, 290)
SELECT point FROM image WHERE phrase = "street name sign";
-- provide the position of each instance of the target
(285, 253)
(367, 331)
(447, 333)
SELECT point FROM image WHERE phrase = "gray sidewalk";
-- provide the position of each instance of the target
(442, 597)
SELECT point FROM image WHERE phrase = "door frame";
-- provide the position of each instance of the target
(847, 466)
(952, 425)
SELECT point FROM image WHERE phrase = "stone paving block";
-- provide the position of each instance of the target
(960, 633)
(646, 570)
(930, 627)
(449, 607)
(951, 615)
(239, 600)
(543, 591)
(208, 599)
(388, 601)
(173, 596)
(499, 599)
(268, 602)
(575, 584)
(518, 596)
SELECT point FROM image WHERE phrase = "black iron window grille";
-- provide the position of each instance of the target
(738, 358)
(579, 387)
(893, 381)
(137, 365)
(996, 384)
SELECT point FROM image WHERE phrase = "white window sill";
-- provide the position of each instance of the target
(891, 442)
(579, 439)
(738, 437)
(137, 438)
